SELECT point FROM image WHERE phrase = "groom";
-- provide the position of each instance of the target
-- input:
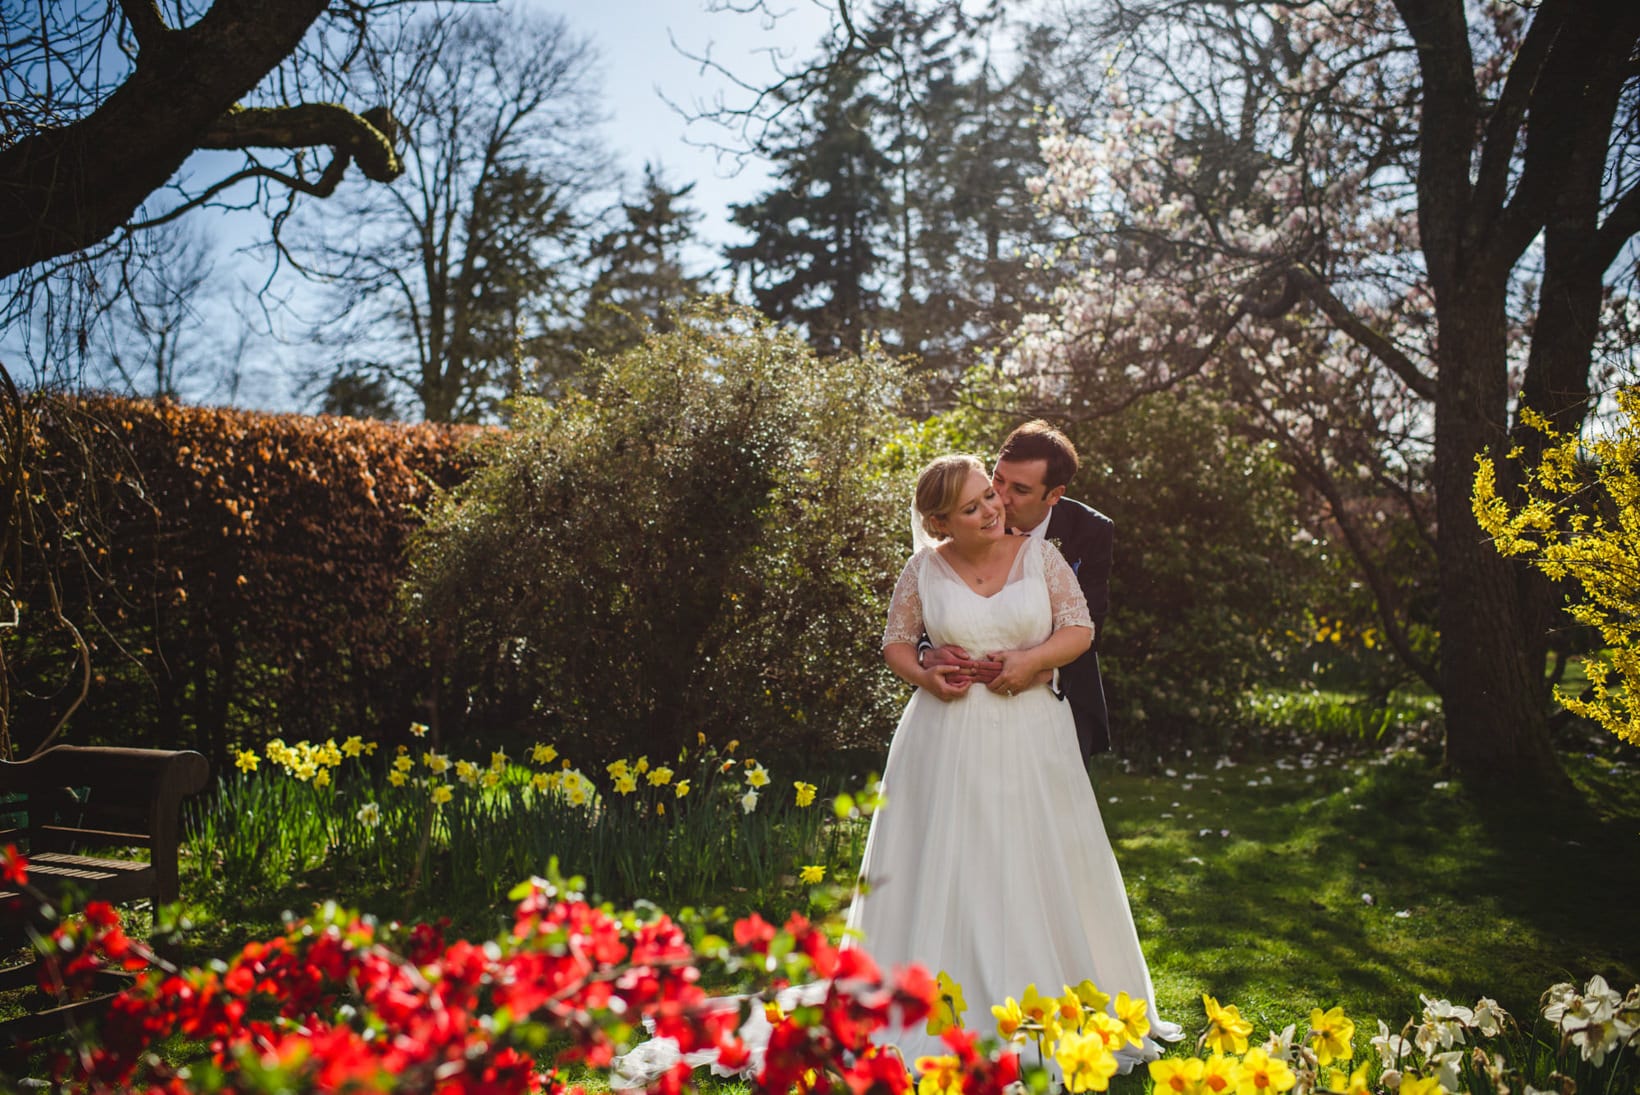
(1034, 466)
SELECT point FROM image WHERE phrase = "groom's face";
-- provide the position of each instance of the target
(1024, 492)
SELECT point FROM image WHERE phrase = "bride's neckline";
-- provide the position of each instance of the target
(979, 584)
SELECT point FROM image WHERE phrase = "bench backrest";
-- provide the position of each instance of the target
(131, 798)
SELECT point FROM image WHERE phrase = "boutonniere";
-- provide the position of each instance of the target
(1059, 545)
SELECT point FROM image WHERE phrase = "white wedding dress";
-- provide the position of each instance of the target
(988, 860)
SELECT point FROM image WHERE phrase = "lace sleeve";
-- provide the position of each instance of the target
(905, 622)
(1070, 606)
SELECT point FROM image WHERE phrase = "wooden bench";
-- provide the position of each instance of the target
(72, 799)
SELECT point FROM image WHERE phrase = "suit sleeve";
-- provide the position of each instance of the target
(1094, 573)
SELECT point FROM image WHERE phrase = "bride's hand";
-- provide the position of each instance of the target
(947, 682)
(1019, 671)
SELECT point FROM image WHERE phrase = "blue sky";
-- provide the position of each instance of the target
(643, 69)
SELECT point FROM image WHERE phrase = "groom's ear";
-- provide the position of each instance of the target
(1054, 495)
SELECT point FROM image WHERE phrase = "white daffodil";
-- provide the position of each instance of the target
(1489, 1017)
(369, 815)
(1280, 1046)
(1390, 1045)
(748, 801)
(1448, 1065)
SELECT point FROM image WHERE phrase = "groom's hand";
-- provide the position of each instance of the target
(966, 669)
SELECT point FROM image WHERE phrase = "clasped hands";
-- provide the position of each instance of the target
(1005, 672)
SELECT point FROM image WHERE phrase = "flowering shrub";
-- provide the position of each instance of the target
(1594, 541)
(342, 1003)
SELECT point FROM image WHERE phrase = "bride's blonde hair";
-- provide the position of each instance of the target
(939, 488)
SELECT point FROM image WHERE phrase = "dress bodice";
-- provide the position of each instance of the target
(1040, 595)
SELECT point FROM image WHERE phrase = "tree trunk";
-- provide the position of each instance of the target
(1492, 647)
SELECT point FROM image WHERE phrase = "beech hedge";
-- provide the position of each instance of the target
(233, 573)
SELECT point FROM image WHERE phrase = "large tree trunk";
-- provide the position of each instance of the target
(1492, 649)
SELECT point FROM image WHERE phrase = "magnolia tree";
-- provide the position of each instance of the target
(1368, 224)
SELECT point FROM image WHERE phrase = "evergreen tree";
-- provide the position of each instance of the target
(816, 253)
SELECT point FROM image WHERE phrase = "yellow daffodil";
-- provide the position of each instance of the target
(1134, 1017)
(353, 746)
(1043, 1011)
(681, 788)
(402, 749)
(437, 763)
(757, 776)
(490, 779)
(1069, 1007)
(543, 754)
(660, 809)
(321, 778)
(1087, 1064)
(1219, 1074)
(442, 794)
(948, 1004)
(939, 1076)
(246, 761)
(418, 729)
(660, 777)
(626, 783)
(328, 754)
(467, 772)
(397, 778)
(1009, 1019)
(641, 766)
(734, 743)
(617, 768)
(578, 794)
(1421, 1085)
(1354, 1083)
(805, 793)
(370, 748)
(813, 874)
(305, 770)
(1262, 1074)
(1333, 1032)
(1107, 1027)
(1227, 1031)
(1176, 1076)
(1092, 999)
(541, 781)
(403, 764)
(498, 760)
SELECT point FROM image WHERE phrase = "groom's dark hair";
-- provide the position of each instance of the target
(1036, 440)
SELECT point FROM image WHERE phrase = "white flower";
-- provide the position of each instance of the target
(1448, 1065)
(1281, 1045)
(748, 801)
(369, 815)
(1443, 1025)
(1391, 1045)
(1558, 1000)
(1489, 1018)
(1391, 1078)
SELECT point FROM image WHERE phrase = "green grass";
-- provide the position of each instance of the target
(1251, 883)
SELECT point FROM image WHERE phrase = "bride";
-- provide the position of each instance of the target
(988, 862)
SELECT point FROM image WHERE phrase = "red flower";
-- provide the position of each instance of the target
(754, 932)
(13, 866)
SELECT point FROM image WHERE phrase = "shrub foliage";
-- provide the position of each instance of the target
(701, 541)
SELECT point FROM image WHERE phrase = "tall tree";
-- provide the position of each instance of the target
(442, 280)
(1362, 219)
(818, 237)
(642, 271)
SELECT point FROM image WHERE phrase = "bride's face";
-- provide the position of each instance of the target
(978, 514)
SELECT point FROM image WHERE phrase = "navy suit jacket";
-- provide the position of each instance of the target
(1085, 537)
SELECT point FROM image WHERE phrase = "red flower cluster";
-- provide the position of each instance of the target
(339, 1003)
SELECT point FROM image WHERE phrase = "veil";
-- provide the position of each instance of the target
(919, 535)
